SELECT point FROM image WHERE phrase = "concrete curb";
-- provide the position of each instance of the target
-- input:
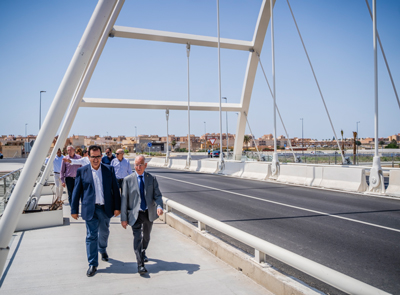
(263, 274)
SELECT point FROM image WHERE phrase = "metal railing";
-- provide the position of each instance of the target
(330, 158)
(7, 183)
(325, 274)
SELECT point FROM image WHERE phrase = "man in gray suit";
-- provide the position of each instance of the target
(141, 204)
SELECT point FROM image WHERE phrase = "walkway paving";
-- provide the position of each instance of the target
(53, 261)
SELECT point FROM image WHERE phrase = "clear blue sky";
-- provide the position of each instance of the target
(40, 37)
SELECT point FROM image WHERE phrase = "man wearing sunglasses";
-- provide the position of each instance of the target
(97, 189)
(141, 204)
(108, 157)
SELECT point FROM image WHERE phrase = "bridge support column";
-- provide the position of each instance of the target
(252, 64)
(82, 56)
(74, 107)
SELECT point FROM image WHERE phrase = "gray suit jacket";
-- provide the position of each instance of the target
(130, 198)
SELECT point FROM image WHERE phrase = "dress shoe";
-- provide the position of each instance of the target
(142, 270)
(104, 256)
(145, 259)
(91, 271)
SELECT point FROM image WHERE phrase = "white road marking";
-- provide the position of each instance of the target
(282, 204)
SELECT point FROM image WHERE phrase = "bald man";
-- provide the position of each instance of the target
(141, 204)
(121, 166)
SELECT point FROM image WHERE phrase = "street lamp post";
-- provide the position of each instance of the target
(205, 134)
(40, 110)
(167, 153)
(189, 158)
(357, 140)
(227, 134)
(26, 138)
(302, 139)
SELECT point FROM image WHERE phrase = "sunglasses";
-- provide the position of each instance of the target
(95, 157)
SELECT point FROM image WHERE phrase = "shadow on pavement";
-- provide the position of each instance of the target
(153, 266)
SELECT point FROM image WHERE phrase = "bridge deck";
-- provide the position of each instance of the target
(53, 261)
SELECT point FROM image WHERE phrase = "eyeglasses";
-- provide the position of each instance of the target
(95, 157)
(140, 165)
(118, 153)
(108, 152)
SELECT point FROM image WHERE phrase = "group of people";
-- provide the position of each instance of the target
(106, 187)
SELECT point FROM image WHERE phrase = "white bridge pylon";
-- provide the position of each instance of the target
(75, 81)
(253, 47)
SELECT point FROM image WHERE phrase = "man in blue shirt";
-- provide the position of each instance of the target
(57, 169)
(122, 167)
(108, 157)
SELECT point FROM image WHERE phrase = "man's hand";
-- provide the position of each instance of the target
(63, 184)
(75, 216)
(116, 213)
(124, 224)
(160, 212)
(67, 160)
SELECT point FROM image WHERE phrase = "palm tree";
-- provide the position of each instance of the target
(246, 140)
(173, 143)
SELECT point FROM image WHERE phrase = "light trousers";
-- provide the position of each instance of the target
(59, 187)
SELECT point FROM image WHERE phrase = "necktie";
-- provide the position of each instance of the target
(143, 205)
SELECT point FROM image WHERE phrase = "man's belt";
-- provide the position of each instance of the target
(70, 177)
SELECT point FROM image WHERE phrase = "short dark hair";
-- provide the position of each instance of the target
(94, 148)
(109, 149)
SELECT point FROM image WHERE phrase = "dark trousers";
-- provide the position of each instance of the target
(120, 181)
(141, 235)
(70, 183)
(97, 232)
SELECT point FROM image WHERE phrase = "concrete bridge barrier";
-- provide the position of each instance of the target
(394, 183)
(344, 178)
(157, 162)
(208, 166)
(256, 170)
(316, 178)
(194, 165)
(177, 164)
(234, 168)
(296, 174)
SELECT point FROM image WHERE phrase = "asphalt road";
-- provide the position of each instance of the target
(360, 237)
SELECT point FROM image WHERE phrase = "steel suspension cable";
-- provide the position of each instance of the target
(316, 81)
(279, 113)
(221, 157)
(188, 95)
(252, 137)
(384, 57)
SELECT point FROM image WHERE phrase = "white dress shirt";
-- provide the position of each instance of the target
(57, 163)
(98, 185)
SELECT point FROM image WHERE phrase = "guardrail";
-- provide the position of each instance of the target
(13, 175)
(7, 181)
(325, 274)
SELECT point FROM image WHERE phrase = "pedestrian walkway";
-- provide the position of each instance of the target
(53, 261)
